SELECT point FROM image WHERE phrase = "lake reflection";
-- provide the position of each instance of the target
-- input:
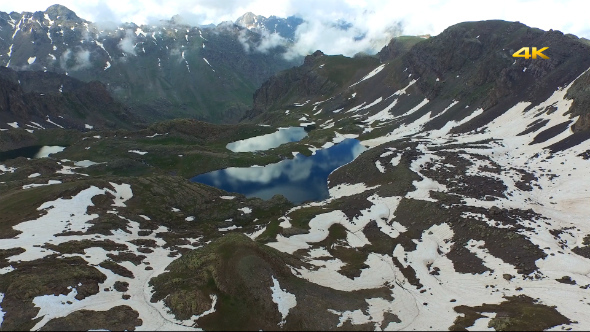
(268, 141)
(299, 179)
(31, 152)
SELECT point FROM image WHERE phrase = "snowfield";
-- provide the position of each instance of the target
(559, 195)
(70, 215)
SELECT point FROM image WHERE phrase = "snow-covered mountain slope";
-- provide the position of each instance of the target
(163, 71)
(457, 224)
(468, 209)
(471, 205)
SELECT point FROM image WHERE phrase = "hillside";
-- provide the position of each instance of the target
(465, 205)
(38, 100)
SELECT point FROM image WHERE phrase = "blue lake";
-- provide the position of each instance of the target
(269, 141)
(33, 152)
(299, 179)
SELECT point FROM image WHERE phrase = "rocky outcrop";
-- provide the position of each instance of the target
(580, 93)
(397, 47)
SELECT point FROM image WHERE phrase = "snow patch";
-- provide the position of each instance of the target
(138, 152)
(245, 210)
(371, 74)
(285, 301)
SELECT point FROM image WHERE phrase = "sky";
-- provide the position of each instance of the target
(376, 20)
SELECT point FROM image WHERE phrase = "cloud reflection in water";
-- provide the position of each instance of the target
(299, 179)
(269, 141)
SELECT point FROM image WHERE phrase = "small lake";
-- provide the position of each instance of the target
(268, 141)
(299, 179)
(33, 152)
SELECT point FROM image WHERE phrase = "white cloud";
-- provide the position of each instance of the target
(64, 58)
(374, 19)
(270, 41)
(82, 58)
(127, 44)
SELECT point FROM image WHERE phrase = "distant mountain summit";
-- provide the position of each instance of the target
(62, 13)
(285, 27)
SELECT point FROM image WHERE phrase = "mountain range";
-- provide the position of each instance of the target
(160, 71)
(464, 208)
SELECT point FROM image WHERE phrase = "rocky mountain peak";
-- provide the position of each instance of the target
(312, 57)
(59, 12)
(285, 27)
(250, 20)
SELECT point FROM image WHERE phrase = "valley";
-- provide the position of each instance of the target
(452, 180)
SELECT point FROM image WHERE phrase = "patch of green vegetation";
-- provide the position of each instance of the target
(517, 313)
(222, 268)
(271, 232)
(127, 257)
(61, 137)
(7, 253)
(119, 318)
(300, 218)
(239, 272)
(78, 247)
(354, 259)
(116, 268)
(105, 224)
(26, 282)
(341, 70)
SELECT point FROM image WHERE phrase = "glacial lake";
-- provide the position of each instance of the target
(33, 152)
(268, 141)
(299, 179)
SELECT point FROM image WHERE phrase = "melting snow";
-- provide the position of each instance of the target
(230, 228)
(46, 151)
(5, 169)
(2, 313)
(85, 163)
(138, 152)
(285, 301)
(246, 210)
(371, 74)
(53, 123)
(379, 166)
